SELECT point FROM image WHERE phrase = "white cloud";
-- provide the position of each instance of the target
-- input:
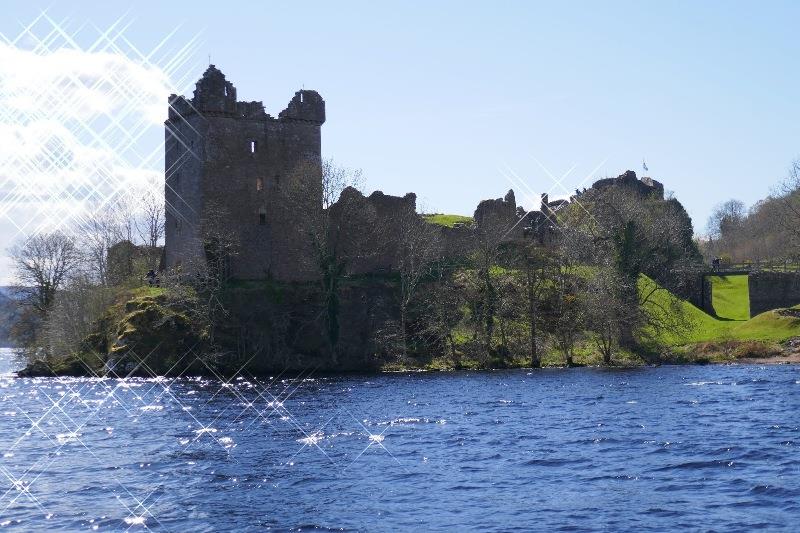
(79, 129)
(70, 83)
(74, 127)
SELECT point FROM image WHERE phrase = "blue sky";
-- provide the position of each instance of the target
(443, 98)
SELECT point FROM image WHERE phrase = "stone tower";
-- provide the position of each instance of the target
(232, 169)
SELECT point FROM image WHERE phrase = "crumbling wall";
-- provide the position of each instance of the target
(773, 290)
(457, 242)
(498, 217)
(306, 106)
(125, 260)
(367, 230)
(276, 327)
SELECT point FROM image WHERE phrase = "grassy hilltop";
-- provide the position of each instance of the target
(448, 220)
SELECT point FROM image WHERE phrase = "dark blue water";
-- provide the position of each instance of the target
(652, 449)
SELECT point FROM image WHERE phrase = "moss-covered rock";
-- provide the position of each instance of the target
(36, 369)
(146, 332)
(151, 336)
(88, 364)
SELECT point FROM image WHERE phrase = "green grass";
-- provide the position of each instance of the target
(730, 296)
(146, 291)
(448, 220)
(768, 326)
(702, 327)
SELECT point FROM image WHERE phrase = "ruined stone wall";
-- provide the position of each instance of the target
(368, 230)
(457, 243)
(257, 177)
(494, 221)
(498, 218)
(773, 290)
(280, 323)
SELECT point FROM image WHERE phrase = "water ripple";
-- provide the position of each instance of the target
(653, 449)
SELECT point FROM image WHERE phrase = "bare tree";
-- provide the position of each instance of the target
(725, 228)
(337, 229)
(417, 252)
(220, 244)
(790, 202)
(442, 301)
(73, 316)
(124, 212)
(534, 273)
(609, 313)
(565, 310)
(489, 238)
(726, 219)
(98, 235)
(42, 265)
(149, 224)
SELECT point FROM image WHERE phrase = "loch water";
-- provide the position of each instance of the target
(705, 448)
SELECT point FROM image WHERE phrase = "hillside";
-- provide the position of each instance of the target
(730, 301)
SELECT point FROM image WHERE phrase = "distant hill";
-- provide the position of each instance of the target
(9, 310)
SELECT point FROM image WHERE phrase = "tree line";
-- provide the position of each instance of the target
(769, 231)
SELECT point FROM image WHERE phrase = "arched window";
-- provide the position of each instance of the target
(262, 217)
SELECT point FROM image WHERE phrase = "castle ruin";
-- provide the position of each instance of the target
(234, 172)
(232, 169)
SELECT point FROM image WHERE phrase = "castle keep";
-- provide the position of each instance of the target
(229, 166)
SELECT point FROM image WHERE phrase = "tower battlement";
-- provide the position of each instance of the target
(215, 95)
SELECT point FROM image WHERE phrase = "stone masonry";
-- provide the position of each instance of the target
(230, 164)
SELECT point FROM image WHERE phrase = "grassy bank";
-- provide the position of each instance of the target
(448, 220)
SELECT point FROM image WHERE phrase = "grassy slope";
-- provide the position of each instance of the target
(447, 220)
(768, 326)
(731, 297)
